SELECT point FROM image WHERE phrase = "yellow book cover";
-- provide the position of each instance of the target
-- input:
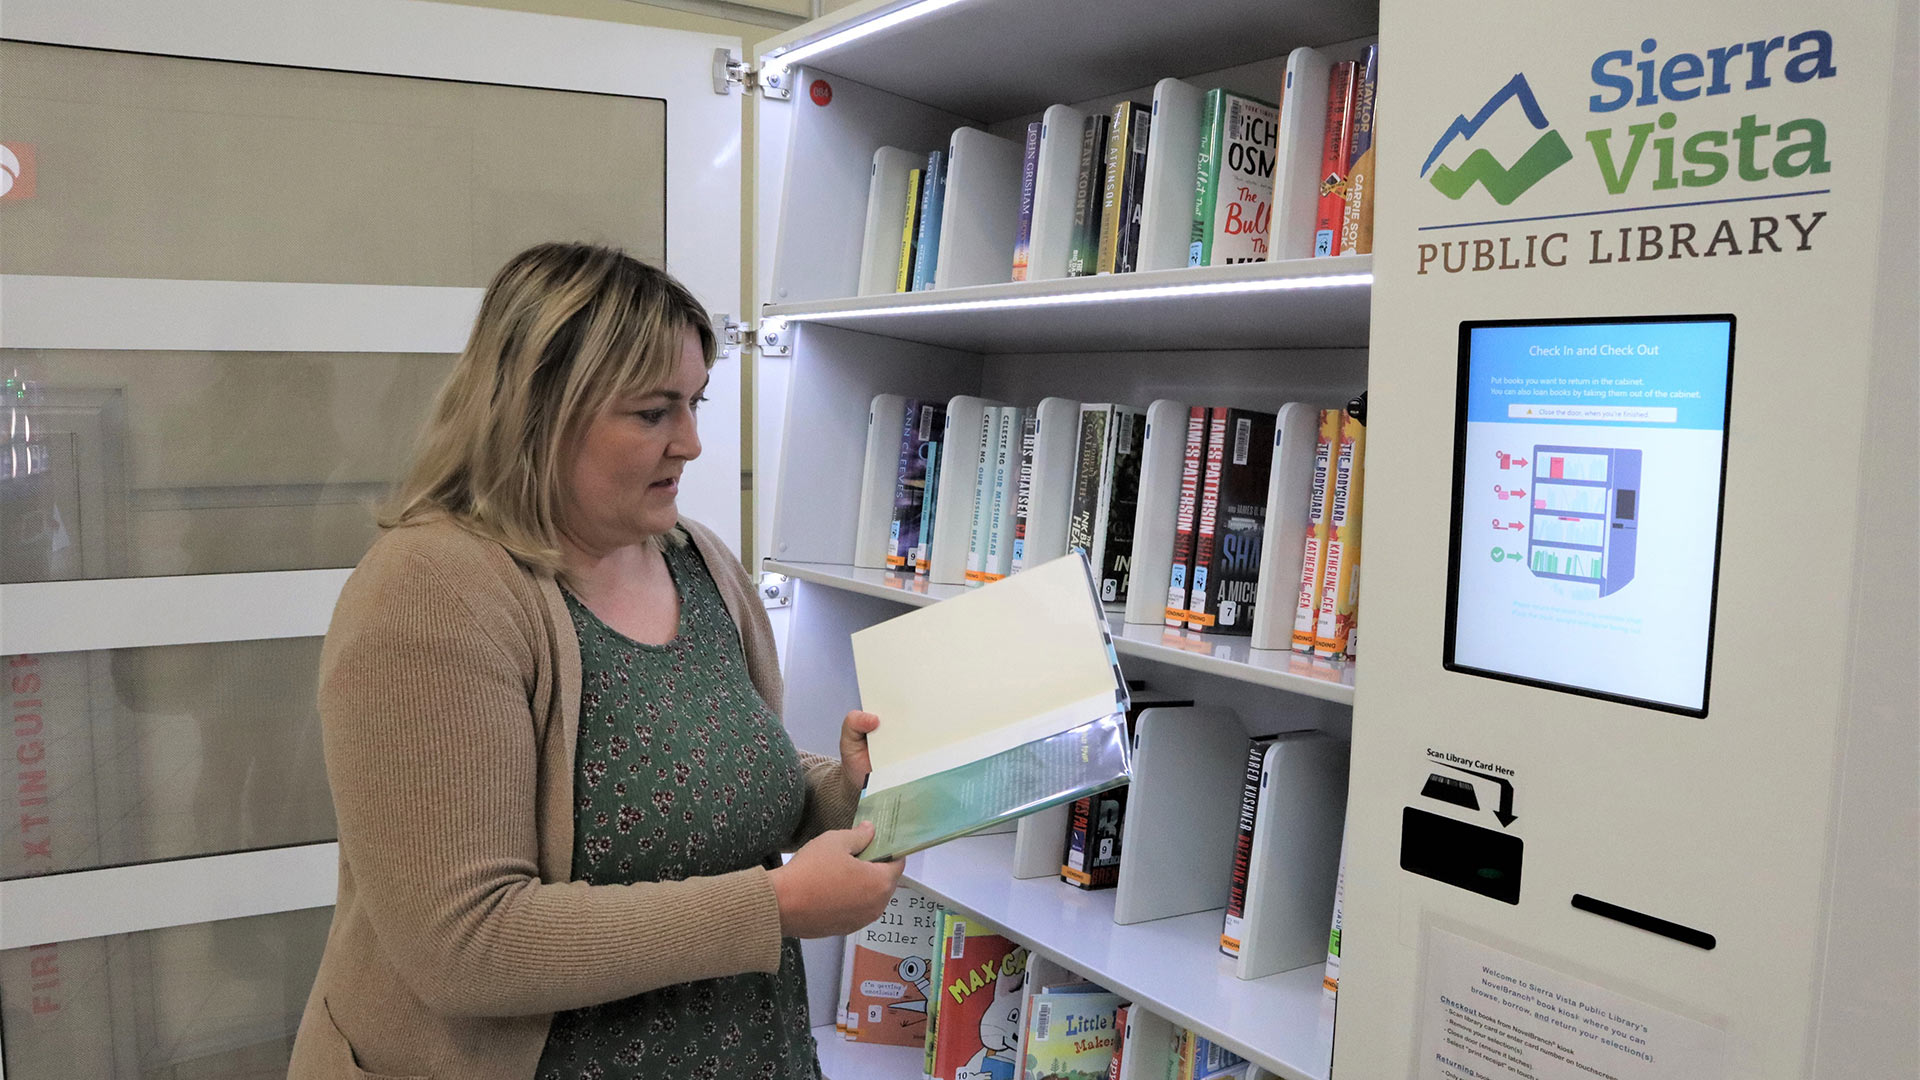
(903, 278)
(1111, 189)
(1343, 543)
(1313, 564)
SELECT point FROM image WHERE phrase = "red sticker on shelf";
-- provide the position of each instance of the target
(821, 93)
(17, 171)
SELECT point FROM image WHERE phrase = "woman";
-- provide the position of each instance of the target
(550, 708)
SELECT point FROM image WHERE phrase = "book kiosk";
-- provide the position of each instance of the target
(1633, 775)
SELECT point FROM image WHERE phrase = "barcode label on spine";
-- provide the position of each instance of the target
(926, 422)
(959, 947)
(1042, 1018)
(1242, 436)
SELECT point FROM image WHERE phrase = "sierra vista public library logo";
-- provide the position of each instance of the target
(1504, 182)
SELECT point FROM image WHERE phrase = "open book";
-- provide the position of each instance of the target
(992, 705)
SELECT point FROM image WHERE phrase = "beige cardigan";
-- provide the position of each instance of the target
(450, 703)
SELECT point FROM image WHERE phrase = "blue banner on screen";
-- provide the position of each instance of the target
(1587, 502)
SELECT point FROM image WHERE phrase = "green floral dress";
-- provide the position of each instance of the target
(682, 770)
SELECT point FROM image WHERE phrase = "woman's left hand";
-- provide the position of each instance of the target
(854, 763)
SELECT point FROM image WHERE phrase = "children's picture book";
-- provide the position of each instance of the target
(1073, 1033)
(889, 978)
(981, 976)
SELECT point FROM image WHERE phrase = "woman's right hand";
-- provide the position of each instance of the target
(824, 891)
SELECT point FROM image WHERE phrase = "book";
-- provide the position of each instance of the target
(1296, 168)
(1072, 1034)
(1334, 620)
(983, 495)
(943, 939)
(1029, 174)
(1330, 982)
(1232, 926)
(1126, 153)
(1050, 497)
(1133, 187)
(1306, 613)
(1356, 222)
(1089, 460)
(843, 1018)
(873, 527)
(920, 429)
(886, 203)
(1233, 187)
(1088, 194)
(1008, 438)
(1336, 149)
(1092, 858)
(933, 197)
(980, 989)
(929, 506)
(1120, 1049)
(888, 983)
(1240, 522)
(909, 232)
(1023, 490)
(1197, 1057)
(1116, 497)
(1185, 515)
(1295, 431)
(960, 752)
(1206, 520)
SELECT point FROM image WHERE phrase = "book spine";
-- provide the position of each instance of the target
(1337, 591)
(933, 197)
(1111, 187)
(983, 495)
(909, 231)
(1119, 504)
(1006, 463)
(1330, 982)
(1234, 926)
(1206, 180)
(1188, 507)
(1356, 223)
(1242, 208)
(1133, 188)
(905, 499)
(1023, 490)
(1313, 560)
(1206, 522)
(1086, 196)
(1079, 841)
(923, 555)
(1119, 1042)
(1103, 497)
(1334, 155)
(1029, 174)
(1240, 522)
(1090, 445)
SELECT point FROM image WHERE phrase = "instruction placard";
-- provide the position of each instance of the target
(1489, 1015)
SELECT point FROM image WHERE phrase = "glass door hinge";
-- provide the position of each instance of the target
(729, 71)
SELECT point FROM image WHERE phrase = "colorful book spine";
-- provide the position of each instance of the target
(924, 422)
(1335, 153)
(1240, 522)
(933, 197)
(1023, 490)
(1233, 196)
(1133, 186)
(1123, 127)
(1006, 478)
(1091, 444)
(1313, 561)
(1120, 1041)
(1094, 840)
(887, 983)
(1187, 509)
(1029, 174)
(1087, 196)
(1330, 982)
(1072, 1035)
(983, 496)
(981, 982)
(905, 496)
(1356, 223)
(1119, 504)
(943, 935)
(923, 554)
(1234, 925)
(909, 232)
(1206, 521)
(1334, 621)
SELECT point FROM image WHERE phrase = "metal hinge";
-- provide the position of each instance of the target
(776, 590)
(774, 339)
(729, 71)
(733, 335)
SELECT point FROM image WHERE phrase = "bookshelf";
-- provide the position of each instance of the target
(1254, 335)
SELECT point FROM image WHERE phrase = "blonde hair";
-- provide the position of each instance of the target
(563, 328)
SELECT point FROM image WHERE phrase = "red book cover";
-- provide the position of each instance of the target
(1334, 161)
(978, 1033)
(1205, 520)
(1120, 1044)
(1182, 570)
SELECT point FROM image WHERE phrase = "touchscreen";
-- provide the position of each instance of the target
(1588, 475)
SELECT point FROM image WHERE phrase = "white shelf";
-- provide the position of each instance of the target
(1222, 655)
(1300, 303)
(992, 61)
(1172, 967)
(843, 1060)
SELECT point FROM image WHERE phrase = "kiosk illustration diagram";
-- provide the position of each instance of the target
(1583, 525)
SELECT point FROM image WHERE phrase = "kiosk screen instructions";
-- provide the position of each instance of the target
(1588, 460)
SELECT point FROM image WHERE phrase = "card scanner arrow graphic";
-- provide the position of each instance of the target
(1505, 813)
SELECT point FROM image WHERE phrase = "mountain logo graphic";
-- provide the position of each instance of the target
(1504, 182)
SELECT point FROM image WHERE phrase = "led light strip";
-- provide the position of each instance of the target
(1152, 292)
(789, 57)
